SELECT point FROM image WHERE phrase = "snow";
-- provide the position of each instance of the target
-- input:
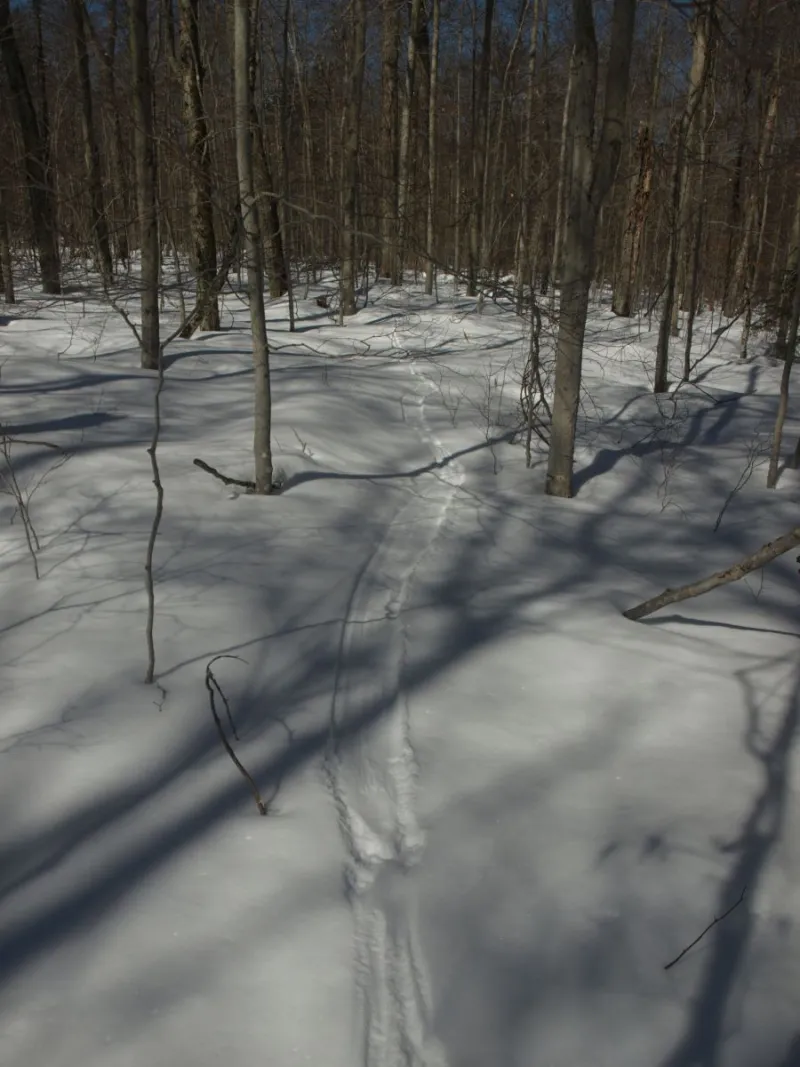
(498, 808)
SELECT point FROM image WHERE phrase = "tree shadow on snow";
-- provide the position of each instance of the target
(728, 943)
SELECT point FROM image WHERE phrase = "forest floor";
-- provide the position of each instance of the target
(496, 808)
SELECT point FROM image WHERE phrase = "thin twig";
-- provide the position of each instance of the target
(213, 686)
(710, 926)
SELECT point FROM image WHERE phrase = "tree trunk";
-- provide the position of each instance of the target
(278, 280)
(389, 97)
(201, 213)
(592, 175)
(480, 152)
(91, 148)
(524, 266)
(639, 197)
(766, 554)
(746, 266)
(404, 154)
(6, 266)
(698, 75)
(352, 120)
(433, 103)
(788, 285)
(790, 347)
(146, 183)
(562, 190)
(40, 192)
(253, 247)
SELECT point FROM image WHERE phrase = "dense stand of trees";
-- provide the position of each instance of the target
(650, 148)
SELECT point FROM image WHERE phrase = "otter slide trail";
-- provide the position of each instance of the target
(372, 779)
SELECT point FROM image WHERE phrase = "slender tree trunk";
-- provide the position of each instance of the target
(407, 111)
(389, 100)
(253, 246)
(433, 103)
(40, 192)
(201, 212)
(524, 268)
(352, 118)
(746, 266)
(789, 352)
(278, 281)
(146, 182)
(639, 197)
(91, 147)
(788, 283)
(698, 76)
(592, 174)
(564, 164)
(480, 152)
(6, 266)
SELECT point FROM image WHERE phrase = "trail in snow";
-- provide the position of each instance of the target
(372, 778)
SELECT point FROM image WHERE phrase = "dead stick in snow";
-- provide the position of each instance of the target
(710, 926)
(223, 477)
(759, 559)
(212, 685)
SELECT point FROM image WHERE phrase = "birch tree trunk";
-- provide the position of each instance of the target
(592, 174)
(91, 147)
(146, 183)
(201, 213)
(253, 246)
(358, 36)
(40, 192)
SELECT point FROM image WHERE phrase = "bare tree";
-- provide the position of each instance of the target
(253, 247)
(591, 174)
(146, 182)
(40, 193)
(199, 148)
(352, 122)
(91, 146)
(433, 104)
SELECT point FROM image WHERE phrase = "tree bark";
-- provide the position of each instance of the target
(676, 269)
(389, 100)
(407, 112)
(254, 253)
(358, 33)
(6, 266)
(40, 192)
(480, 152)
(766, 554)
(91, 147)
(790, 348)
(592, 174)
(639, 197)
(433, 103)
(201, 213)
(146, 183)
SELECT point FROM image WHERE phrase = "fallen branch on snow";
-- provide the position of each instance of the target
(766, 554)
(249, 486)
(710, 926)
(214, 689)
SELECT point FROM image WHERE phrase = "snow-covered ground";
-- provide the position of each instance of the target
(498, 809)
